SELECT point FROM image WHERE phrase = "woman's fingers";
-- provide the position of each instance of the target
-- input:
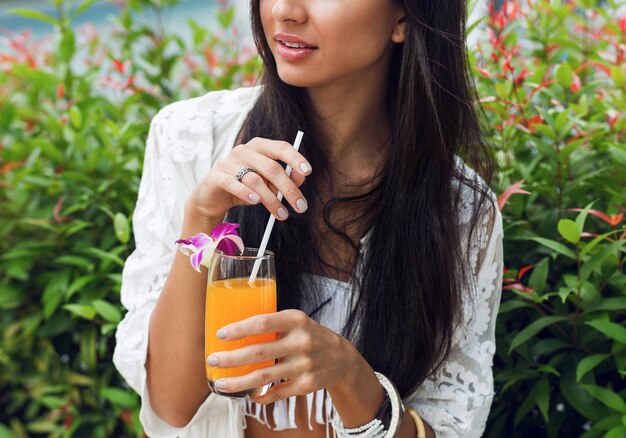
(283, 391)
(278, 322)
(281, 151)
(268, 174)
(255, 379)
(241, 191)
(262, 352)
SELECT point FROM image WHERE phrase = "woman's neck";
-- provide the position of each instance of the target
(353, 121)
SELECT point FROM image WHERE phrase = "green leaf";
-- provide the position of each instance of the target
(67, 47)
(539, 275)
(618, 75)
(75, 261)
(76, 117)
(590, 264)
(78, 284)
(5, 432)
(555, 246)
(83, 7)
(532, 329)
(34, 15)
(543, 397)
(612, 303)
(104, 255)
(589, 363)
(569, 230)
(564, 75)
(618, 154)
(122, 227)
(526, 406)
(582, 217)
(606, 397)
(593, 243)
(107, 310)
(610, 329)
(81, 310)
(618, 432)
(121, 398)
(549, 369)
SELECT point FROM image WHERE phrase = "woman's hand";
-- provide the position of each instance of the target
(310, 356)
(219, 190)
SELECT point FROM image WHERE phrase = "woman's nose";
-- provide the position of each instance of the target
(289, 11)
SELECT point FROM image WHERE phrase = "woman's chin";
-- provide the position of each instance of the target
(300, 78)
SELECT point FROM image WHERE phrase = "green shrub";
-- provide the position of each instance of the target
(551, 80)
(72, 137)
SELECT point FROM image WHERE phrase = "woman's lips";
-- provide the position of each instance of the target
(295, 52)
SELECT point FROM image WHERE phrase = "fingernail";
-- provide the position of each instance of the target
(254, 198)
(220, 384)
(305, 168)
(282, 213)
(302, 205)
(221, 333)
(212, 360)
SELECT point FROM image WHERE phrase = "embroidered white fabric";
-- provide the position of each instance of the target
(185, 139)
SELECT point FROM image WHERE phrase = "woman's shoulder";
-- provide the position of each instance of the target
(186, 128)
(210, 105)
(472, 194)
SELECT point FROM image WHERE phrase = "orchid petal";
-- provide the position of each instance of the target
(227, 246)
(229, 243)
(201, 240)
(224, 229)
(187, 249)
(196, 260)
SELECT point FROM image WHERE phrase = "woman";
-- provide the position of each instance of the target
(388, 246)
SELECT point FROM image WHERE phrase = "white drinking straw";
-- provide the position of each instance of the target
(270, 222)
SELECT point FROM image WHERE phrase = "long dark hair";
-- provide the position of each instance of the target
(407, 299)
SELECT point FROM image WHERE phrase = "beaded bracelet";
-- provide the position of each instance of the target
(375, 428)
(397, 408)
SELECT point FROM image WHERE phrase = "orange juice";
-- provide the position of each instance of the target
(229, 301)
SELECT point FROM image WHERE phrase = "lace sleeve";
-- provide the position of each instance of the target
(456, 402)
(180, 137)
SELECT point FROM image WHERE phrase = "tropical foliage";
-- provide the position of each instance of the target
(74, 113)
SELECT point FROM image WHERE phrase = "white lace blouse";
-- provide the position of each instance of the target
(185, 139)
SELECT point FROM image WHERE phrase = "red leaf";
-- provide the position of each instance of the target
(56, 212)
(520, 287)
(613, 220)
(513, 189)
(119, 65)
(61, 91)
(586, 234)
(10, 166)
(524, 270)
(612, 116)
(616, 219)
(575, 87)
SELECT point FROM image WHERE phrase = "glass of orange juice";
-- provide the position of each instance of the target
(231, 298)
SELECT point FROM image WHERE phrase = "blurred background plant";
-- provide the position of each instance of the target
(74, 114)
(551, 78)
(75, 111)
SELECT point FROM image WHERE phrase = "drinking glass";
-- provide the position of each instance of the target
(231, 298)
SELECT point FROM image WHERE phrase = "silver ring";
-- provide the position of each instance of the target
(243, 172)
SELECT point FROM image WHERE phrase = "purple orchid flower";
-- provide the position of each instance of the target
(201, 247)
